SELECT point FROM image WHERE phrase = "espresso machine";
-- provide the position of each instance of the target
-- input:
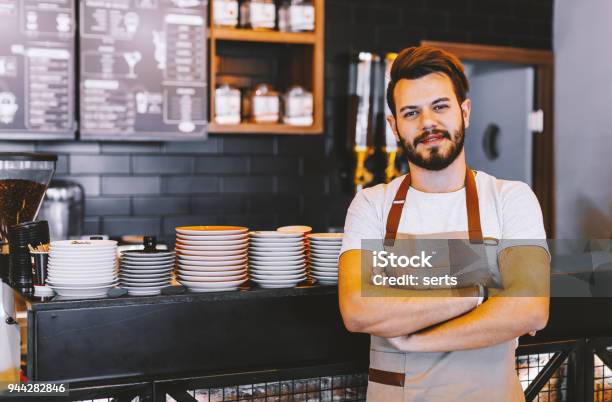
(24, 179)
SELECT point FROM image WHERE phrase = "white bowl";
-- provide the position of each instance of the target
(81, 256)
(213, 255)
(326, 248)
(212, 285)
(147, 292)
(211, 251)
(269, 234)
(145, 283)
(205, 247)
(299, 253)
(285, 259)
(260, 271)
(319, 268)
(301, 276)
(277, 264)
(82, 270)
(213, 243)
(276, 242)
(214, 238)
(333, 265)
(211, 230)
(277, 284)
(325, 236)
(324, 259)
(200, 263)
(143, 261)
(194, 278)
(228, 260)
(211, 273)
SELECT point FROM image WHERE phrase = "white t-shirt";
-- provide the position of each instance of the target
(509, 210)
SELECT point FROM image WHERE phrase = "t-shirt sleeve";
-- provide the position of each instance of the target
(362, 222)
(523, 224)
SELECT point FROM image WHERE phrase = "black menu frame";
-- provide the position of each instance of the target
(143, 69)
(64, 71)
(37, 69)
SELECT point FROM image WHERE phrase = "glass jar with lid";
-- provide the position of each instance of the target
(298, 107)
(262, 104)
(296, 16)
(258, 14)
(225, 13)
(227, 105)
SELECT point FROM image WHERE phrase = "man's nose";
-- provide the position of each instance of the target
(428, 120)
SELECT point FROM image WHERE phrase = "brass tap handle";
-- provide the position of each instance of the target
(391, 171)
(362, 175)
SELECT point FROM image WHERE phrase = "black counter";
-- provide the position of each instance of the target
(91, 340)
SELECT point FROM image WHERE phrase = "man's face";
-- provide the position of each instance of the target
(430, 124)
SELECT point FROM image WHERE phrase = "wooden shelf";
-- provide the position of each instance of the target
(249, 35)
(257, 128)
(246, 55)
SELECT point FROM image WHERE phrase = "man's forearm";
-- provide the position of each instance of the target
(395, 312)
(485, 326)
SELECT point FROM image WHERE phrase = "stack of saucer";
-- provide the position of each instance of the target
(305, 230)
(324, 253)
(82, 268)
(145, 273)
(212, 258)
(276, 259)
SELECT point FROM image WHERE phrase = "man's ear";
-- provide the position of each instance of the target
(392, 123)
(466, 108)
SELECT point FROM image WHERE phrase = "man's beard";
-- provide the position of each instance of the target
(435, 161)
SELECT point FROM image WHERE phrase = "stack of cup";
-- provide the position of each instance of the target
(23, 238)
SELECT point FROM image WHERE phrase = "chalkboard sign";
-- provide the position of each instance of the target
(37, 69)
(142, 69)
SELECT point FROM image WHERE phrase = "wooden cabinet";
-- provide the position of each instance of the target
(245, 57)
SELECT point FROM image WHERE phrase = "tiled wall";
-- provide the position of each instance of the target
(266, 181)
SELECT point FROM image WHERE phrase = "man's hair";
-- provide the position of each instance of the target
(416, 62)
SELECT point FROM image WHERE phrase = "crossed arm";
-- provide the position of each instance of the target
(447, 320)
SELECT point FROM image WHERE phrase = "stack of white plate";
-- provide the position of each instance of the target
(145, 273)
(212, 258)
(82, 268)
(276, 259)
(324, 253)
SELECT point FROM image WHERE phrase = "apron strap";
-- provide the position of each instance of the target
(395, 214)
(472, 207)
(471, 204)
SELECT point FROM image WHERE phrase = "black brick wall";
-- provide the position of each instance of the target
(268, 181)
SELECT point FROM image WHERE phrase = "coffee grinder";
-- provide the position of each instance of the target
(24, 178)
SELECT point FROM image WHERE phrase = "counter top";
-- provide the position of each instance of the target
(244, 293)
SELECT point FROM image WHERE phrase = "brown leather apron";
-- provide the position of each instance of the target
(478, 375)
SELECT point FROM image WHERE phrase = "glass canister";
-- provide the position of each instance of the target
(296, 16)
(262, 105)
(258, 14)
(298, 107)
(225, 13)
(227, 105)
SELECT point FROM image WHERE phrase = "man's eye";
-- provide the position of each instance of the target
(410, 114)
(440, 107)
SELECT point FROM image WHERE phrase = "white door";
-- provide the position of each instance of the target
(498, 140)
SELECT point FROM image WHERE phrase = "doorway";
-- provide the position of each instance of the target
(507, 84)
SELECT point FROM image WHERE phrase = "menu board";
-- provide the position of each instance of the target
(37, 69)
(142, 68)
